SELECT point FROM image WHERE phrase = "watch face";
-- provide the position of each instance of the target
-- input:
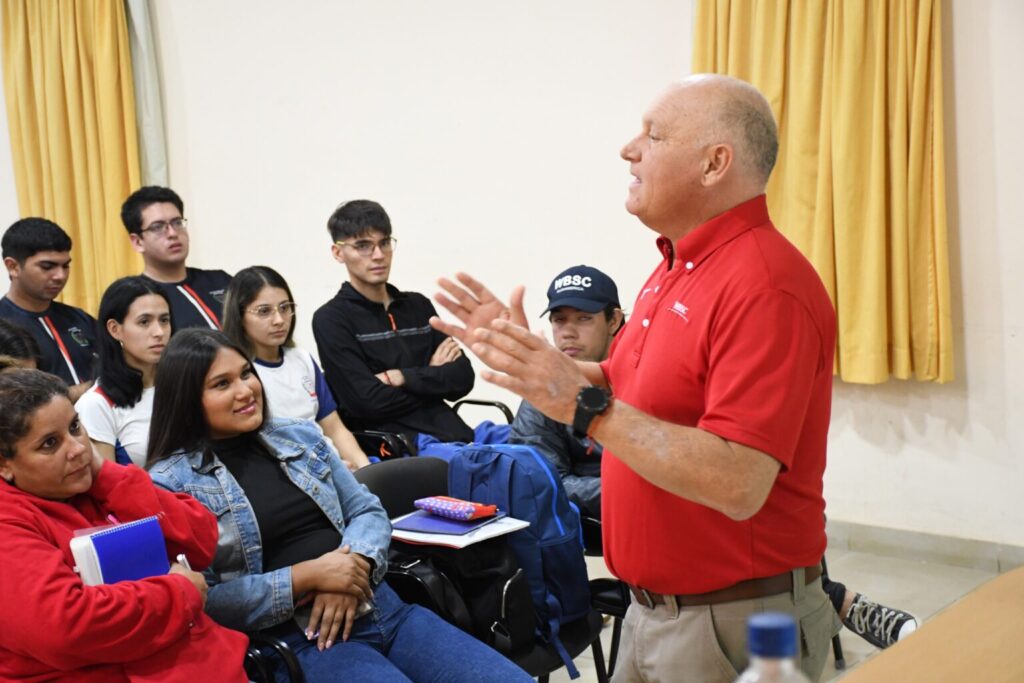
(593, 399)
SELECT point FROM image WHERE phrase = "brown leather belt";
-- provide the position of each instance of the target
(744, 590)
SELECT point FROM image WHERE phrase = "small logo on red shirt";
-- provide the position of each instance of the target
(680, 309)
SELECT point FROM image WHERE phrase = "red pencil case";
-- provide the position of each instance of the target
(455, 508)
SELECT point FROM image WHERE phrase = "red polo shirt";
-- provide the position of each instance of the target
(734, 334)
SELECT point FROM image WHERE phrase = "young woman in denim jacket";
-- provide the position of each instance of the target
(303, 547)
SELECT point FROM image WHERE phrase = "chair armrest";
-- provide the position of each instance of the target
(592, 543)
(384, 445)
(509, 417)
(291, 662)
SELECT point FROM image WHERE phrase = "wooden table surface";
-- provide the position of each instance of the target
(978, 639)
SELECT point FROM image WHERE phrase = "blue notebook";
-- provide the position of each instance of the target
(425, 522)
(122, 552)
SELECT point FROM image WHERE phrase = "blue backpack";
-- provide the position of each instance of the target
(523, 485)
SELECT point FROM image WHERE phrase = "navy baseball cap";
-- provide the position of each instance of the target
(584, 288)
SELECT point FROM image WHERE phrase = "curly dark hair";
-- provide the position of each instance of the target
(22, 393)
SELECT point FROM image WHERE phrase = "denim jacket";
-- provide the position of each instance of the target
(242, 596)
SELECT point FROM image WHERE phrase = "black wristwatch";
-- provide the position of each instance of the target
(590, 402)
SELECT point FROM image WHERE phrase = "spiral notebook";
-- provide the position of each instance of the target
(429, 523)
(120, 552)
(483, 529)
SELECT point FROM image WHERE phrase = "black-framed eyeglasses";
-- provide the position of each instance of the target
(366, 247)
(159, 228)
(264, 311)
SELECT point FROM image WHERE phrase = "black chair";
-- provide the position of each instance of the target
(400, 482)
(509, 417)
(257, 665)
(607, 596)
(837, 645)
(386, 445)
(542, 660)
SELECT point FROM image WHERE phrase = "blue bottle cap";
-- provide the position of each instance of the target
(771, 634)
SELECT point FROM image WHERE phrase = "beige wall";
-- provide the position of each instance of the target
(490, 132)
(950, 459)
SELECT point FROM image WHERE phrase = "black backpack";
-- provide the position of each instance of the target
(480, 588)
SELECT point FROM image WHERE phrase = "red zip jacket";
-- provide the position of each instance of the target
(55, 628)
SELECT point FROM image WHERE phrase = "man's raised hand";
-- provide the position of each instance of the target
(475, 307)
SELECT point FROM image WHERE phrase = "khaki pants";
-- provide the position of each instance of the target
(708, 644)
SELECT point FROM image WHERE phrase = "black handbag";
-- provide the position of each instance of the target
(479, 588)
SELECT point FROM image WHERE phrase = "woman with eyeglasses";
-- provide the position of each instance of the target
(259, 316)
(134, 327)
(303, 546)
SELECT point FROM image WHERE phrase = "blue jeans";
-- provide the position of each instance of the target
(397, 642)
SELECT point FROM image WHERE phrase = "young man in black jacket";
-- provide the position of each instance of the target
(387, 367)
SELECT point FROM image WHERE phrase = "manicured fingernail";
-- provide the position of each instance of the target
(309, 635)
(329, 643)
(320, 646)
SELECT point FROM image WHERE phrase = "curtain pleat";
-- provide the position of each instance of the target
(859, 185)
(149, 106)
(71, 114)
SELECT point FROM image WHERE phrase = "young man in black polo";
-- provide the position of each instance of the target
(387, 368)
(37, 254)
(157, 228)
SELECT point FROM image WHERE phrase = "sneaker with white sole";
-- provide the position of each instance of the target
(879, 625)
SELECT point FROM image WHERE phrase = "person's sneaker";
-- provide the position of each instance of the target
(879, 625)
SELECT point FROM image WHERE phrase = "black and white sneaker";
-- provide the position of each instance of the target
(879, 625)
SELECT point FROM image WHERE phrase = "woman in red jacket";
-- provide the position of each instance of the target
(52, 626)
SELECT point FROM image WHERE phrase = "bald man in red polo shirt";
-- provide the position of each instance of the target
(713, 406)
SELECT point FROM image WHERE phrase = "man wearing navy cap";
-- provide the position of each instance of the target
(584, 312)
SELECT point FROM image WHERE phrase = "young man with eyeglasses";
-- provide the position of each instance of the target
(387, 368)
(37, 254)
(154, 219)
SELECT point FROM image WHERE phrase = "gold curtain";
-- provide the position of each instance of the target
(71, 113)
(856, 86)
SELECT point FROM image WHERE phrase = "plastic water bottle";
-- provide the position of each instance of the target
(772, 641)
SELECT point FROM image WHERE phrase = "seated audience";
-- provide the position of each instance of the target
(18, 347)
(584, 312)
(387, 368)
(52, 626)
(135, 325)
(37, 254)
(259, 316)
(303, 547)
(157, 228)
